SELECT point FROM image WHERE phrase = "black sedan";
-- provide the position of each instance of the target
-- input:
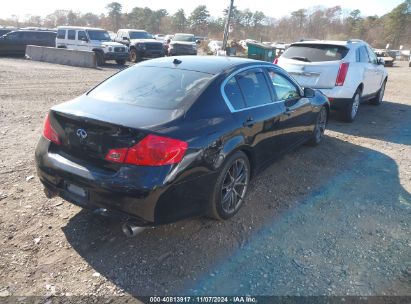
(171, 138)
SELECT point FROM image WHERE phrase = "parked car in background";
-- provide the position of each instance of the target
(91, 39)
(4, 31)
(215, 46)
(15, 42)
(112, 35)
(172, 138)
(159, 37)
(142, 45)
(347, 72)
(388, 60)
(183, 44)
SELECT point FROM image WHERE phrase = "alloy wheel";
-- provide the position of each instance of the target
(234, 186)
(355, 105)
(321, 124)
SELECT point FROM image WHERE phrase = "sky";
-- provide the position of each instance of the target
(270, 8)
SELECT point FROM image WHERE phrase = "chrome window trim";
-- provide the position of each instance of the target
(227, 101)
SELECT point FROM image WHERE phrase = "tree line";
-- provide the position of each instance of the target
(393, 28)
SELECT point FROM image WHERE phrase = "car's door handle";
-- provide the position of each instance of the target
(249, 122)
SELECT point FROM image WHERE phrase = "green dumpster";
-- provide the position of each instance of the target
(261, 51)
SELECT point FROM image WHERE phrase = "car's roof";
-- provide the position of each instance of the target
(81, 28)
(205, 64)
(184, 34)
(332, 42)
(132, 30)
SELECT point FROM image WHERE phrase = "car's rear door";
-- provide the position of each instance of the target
(297, 116)
(251, 102)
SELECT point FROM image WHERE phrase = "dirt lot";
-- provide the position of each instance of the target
(331, 220)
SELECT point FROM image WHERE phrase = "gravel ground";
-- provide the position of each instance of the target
(330, 220)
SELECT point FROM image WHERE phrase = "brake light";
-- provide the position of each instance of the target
(49, 133)
(153, 150)
(342, 73)
(275, 60)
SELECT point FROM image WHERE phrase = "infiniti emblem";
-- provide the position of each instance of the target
(81, 133)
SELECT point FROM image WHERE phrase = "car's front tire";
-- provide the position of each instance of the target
(134, 56)
(377, 100)
(230, 188)
(319, 128)
(350, 111)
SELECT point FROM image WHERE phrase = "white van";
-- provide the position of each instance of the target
(91, 39)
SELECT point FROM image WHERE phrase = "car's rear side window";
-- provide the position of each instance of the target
(234, 95)
(71, 35)
(153, 87)
(61, 34)
(315, 52)
(254, 87)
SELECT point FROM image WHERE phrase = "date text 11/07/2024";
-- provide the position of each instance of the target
(203, 299)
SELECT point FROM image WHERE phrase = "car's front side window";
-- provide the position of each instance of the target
(284, 89)
(81, 35)
(372, 56)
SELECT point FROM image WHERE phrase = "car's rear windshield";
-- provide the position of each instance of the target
(315, 52)
(153, 87)
(140, 35)
(98, 35)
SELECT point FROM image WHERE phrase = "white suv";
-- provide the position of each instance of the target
(347, 72)
(91, 39)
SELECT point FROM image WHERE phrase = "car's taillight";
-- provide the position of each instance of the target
(342, 73)
(275, 60)
(153, 150)
(49, 132)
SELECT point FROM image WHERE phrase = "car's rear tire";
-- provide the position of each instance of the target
(121, 61)
(377, 100)
(350, 111)
(134, 56)
(230, 188)
(100, 58)
(319, 128)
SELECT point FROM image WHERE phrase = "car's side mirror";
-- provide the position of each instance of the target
(126, 38)
(198, 41)
(309, 93)
(84, 39)
(380, 61)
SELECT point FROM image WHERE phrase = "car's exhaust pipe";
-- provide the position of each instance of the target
(130, 230)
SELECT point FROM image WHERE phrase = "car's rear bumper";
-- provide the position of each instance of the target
(133, 193)
(339, 96)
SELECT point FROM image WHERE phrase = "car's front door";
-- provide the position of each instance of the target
(251, 102)
(377, 71)
(297, 117)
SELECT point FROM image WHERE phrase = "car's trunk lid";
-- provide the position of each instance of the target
(89, 128)
(319, 75)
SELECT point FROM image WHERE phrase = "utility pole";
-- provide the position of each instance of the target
(227, 25)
